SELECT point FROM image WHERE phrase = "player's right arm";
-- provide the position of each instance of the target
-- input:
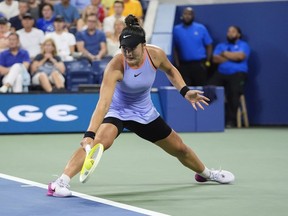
(113, 73)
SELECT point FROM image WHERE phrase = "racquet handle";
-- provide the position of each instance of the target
(87, 149)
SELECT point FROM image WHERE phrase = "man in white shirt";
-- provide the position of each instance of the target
(65, 41)
(4, 33)
(30, 38)
(108, 23)
(9, 8)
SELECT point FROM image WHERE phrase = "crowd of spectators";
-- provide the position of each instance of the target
(54, 32)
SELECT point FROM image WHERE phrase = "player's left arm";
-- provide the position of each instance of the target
(195, 97)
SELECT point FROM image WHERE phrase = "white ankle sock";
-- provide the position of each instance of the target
(4, 89)
(206, 173)
(65, 178)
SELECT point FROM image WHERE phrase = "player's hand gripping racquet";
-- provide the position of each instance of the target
(92, 159)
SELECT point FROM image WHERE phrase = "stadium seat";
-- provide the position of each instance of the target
(98, 68)
(78, 72)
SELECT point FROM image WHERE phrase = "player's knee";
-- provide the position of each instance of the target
(180, 151)
(106, 142)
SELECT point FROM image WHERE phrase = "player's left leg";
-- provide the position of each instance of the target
(174, 145)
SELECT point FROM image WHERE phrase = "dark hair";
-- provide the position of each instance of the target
(119, 2)
(47, 4)
(14, 33)
(133, 27)
(24, 1)
(238, 30)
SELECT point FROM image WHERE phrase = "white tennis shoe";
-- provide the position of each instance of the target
(220, 176)
(58, 189)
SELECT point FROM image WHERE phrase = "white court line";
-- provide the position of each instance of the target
(87, 197)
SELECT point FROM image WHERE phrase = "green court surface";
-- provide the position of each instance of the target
(138, 173)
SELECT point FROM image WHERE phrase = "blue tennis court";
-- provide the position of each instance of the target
(22, 197)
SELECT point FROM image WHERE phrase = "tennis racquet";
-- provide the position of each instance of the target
(91, 161)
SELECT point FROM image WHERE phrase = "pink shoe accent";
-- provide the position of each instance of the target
(50, 191)
(199, 178)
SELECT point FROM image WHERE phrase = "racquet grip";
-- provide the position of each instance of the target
(87, 149)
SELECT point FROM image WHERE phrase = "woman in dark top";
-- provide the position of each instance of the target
(47, 68)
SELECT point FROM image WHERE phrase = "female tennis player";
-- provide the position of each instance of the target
(125, 102)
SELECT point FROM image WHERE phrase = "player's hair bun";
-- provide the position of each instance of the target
(131, 20)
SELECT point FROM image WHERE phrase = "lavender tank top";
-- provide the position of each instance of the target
(132, 99)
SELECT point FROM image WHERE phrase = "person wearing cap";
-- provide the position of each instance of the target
(16, 21)
(30, 38)
(125, 102)
(92, 41)
(14, 63)
(64, 40)
(4, 33)
(68, 11)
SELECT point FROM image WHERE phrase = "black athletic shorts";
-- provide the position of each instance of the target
(153, 131)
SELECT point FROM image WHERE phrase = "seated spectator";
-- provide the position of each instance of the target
(101, 10)
(107, 3)
(47, 69)
(30, 38)
(92, 41)
(113, 40)
(65, 41)
(130, 7)
(46, 24)
(34, 8)
(108, 24)
(14, 63)
(9, 8)
(80, 4)
(4, 33)
(232, 59)
(16, 21)
(52, 2)
(82, 22)
(69, 12)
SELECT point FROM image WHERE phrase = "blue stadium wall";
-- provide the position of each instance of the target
(265, 27)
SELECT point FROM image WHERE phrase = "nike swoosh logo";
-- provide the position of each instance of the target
(125, 36)
(135, 75)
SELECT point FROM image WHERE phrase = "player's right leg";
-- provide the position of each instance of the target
(105, 135)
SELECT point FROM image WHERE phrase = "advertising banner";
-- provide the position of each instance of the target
(49, 113)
